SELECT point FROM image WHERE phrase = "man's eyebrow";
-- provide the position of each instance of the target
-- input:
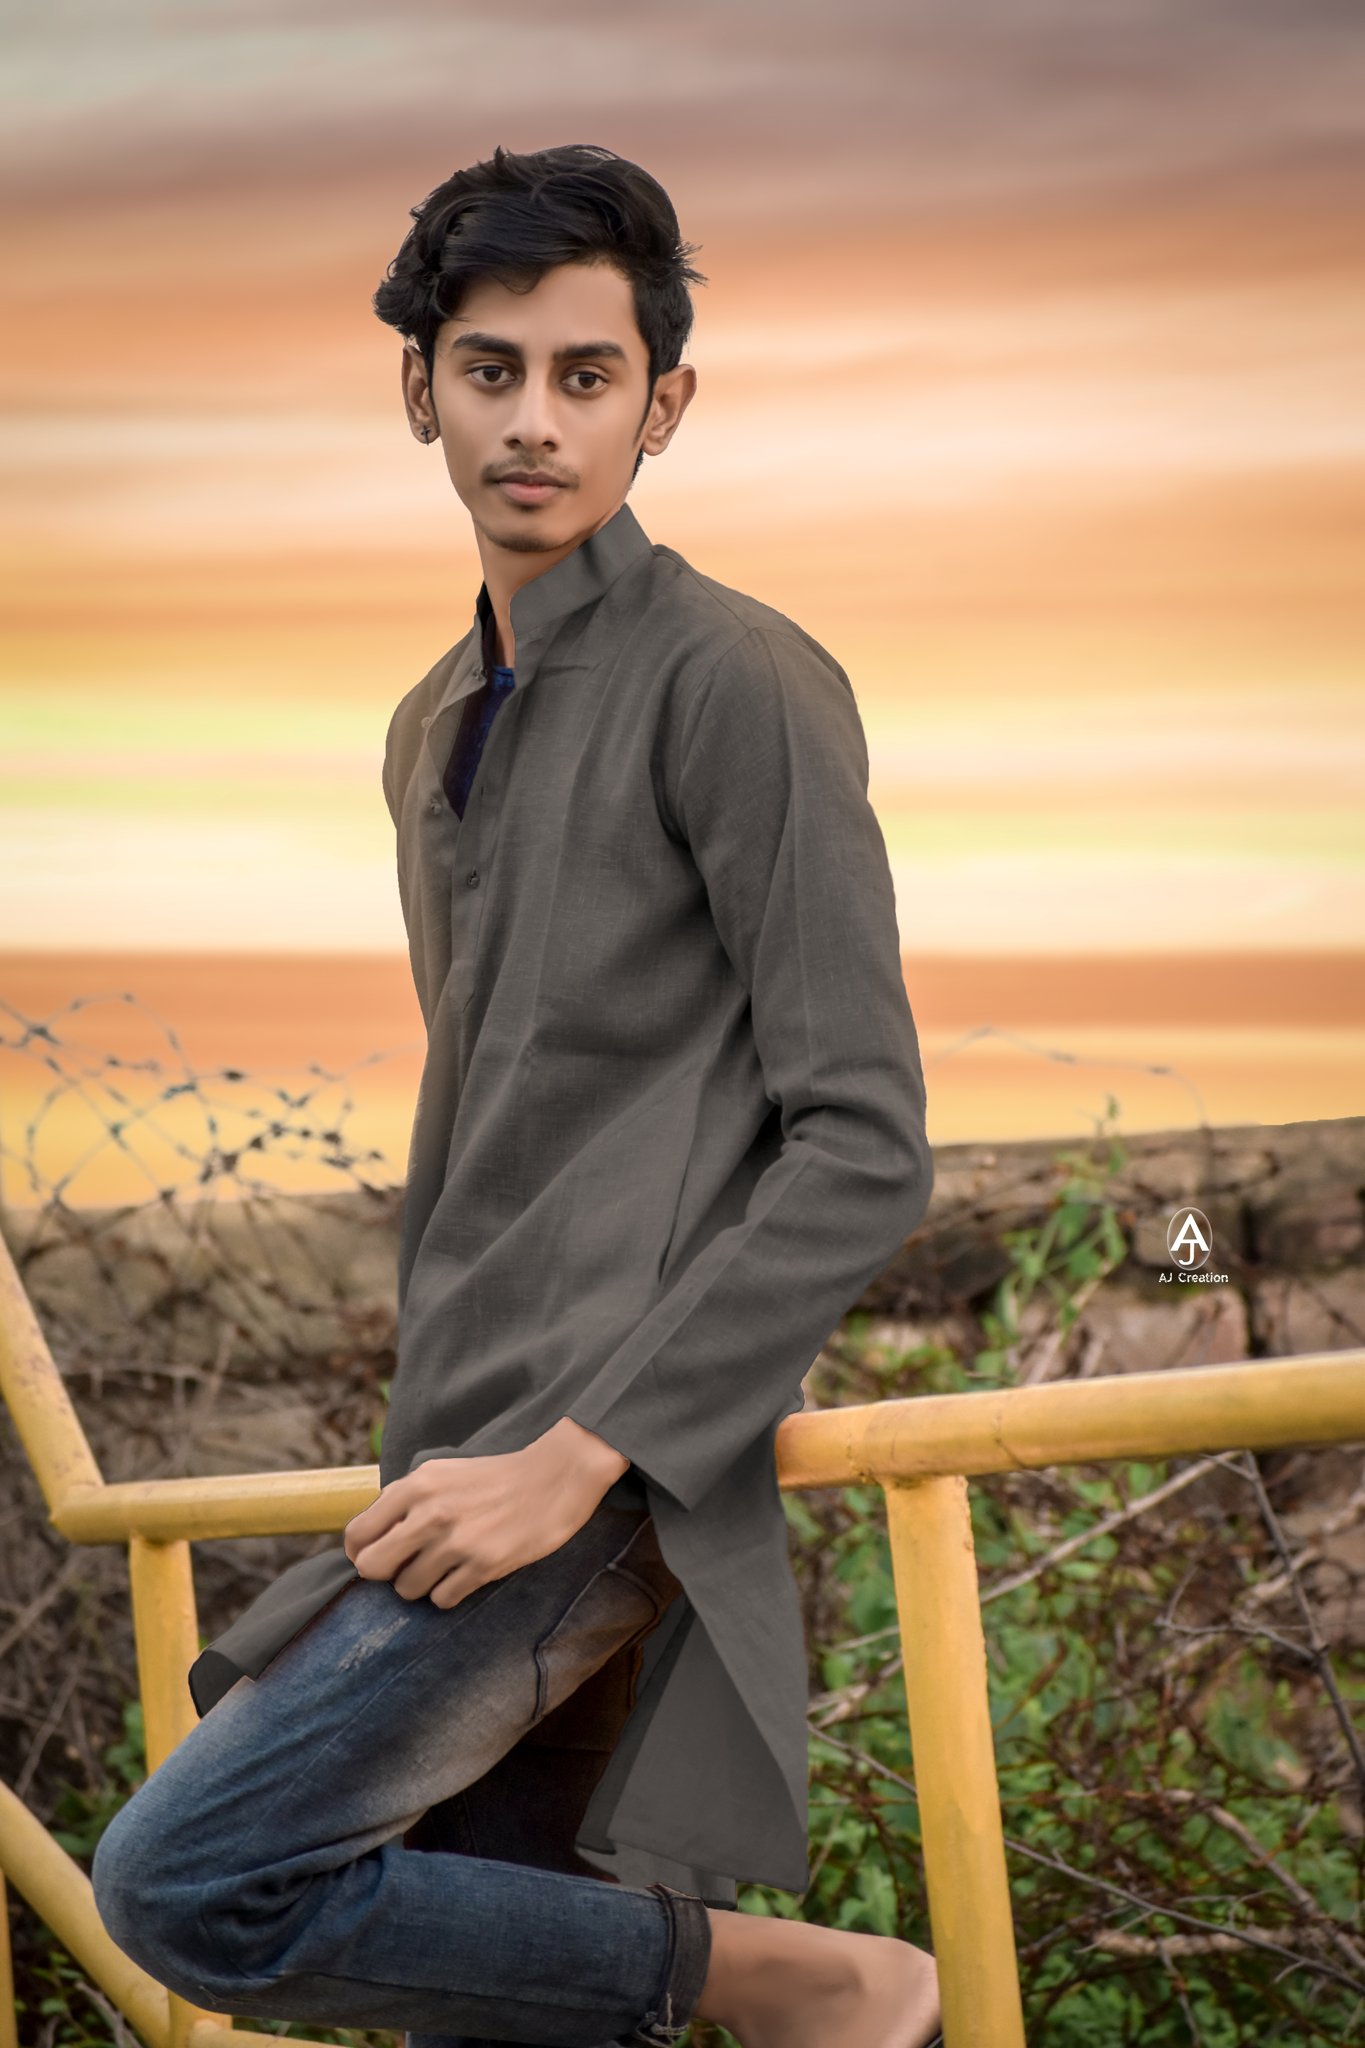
(493, 344)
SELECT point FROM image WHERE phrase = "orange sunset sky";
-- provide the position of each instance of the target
(1029, 383)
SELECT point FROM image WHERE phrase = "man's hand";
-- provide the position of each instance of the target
(451, 1524)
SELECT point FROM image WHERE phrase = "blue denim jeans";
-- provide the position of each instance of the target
(378, 1831)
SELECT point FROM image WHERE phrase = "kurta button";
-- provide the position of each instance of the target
(435, 804)
(426, 721)
(472, 879)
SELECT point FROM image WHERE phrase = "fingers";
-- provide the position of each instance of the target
(419, 1556)
(455, 1586)
(412, 1553)
(374, 1521)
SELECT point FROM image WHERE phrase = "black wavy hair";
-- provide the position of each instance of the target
(514, 216)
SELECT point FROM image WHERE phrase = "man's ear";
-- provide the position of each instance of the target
(411, 348)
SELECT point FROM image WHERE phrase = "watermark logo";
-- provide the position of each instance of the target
(1189, 1243)
(1189, 1238)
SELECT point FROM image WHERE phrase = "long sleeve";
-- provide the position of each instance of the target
(769, 791)
(386, 773)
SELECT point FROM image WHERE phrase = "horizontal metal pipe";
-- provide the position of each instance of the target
(1259, 1404)
(231, 1504)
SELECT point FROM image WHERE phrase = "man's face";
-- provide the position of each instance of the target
(555, 381)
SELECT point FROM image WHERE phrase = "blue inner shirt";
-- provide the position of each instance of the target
(481, 708)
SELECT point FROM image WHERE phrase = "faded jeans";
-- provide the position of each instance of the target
(352, 1839)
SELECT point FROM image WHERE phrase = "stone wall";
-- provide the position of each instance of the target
(1286, 1206)
(257, 1337)
(291, 1277)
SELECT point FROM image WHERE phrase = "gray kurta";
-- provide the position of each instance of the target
(670, 1124)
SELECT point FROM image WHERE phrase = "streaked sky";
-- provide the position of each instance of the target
(1029, 382)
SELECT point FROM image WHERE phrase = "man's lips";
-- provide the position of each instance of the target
(527, 494)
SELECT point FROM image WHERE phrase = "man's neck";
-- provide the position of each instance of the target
(499, 644)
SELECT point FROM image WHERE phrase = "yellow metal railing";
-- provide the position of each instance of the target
(920, 1451)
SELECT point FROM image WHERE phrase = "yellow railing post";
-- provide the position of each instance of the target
(934, 1566)
(60, 1893)
(166, 1632)
(35, 1394)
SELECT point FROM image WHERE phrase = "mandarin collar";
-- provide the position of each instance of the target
(540, 606)
(537, 613)
(580, 578)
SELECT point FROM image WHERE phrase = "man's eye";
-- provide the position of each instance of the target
(480, 371)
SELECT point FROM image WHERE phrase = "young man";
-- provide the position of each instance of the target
(670, 1123)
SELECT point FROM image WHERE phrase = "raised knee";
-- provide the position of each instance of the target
(149, 1908)
(182, 1898)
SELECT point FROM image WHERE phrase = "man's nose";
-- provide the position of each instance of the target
(533, 423)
